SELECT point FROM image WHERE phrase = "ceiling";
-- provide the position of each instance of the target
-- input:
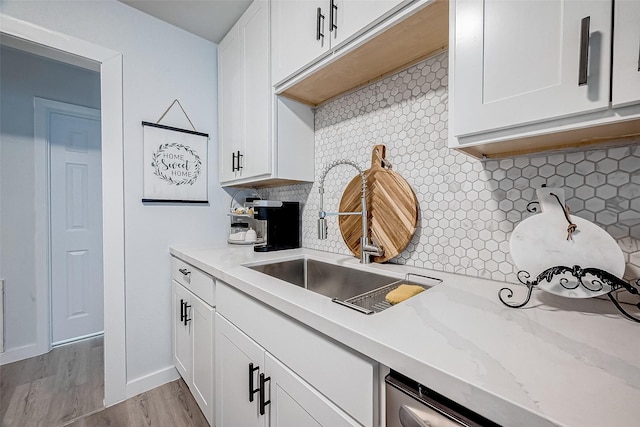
(209, 19)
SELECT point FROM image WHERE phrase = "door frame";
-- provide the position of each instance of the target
(43, 108)
(111, 106)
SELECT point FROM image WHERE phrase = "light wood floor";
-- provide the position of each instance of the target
(66, 387)
(54, 388)
(170, 405)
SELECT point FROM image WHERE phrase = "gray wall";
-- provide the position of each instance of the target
(160, 63)
(24, 76)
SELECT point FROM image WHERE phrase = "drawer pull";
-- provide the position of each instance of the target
(184, 272)
(584, 51)
(252, 391)
(263, 403)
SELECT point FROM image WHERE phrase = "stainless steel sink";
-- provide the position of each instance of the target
(359, 290)
(330, 280)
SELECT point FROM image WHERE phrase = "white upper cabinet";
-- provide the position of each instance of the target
(351, 16)
(261, 138)
(519, 62)
(299, 34)
(254, 33)
(245, 96)
(626, 53)
(305, 31)
(231, 117)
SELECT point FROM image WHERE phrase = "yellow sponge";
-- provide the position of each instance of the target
(402, 293)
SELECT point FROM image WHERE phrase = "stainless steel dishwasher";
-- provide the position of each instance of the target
(410, 404)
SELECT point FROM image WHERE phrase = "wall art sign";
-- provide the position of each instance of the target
(175, 164)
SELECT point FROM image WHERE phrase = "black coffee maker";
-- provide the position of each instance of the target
(280, 223)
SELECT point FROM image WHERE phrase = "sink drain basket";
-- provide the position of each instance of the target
(374, 301)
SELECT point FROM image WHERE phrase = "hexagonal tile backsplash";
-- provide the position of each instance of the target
(468, 207)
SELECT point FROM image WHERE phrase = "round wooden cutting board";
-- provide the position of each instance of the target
(392, 209)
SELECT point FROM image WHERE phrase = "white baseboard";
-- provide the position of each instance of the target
(20, 353)
(150, 381)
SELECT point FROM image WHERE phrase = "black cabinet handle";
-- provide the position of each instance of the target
(236, 156)
(252, 391)
(639, 57)
(333, 16)
(263, 403)
(184, 272)
(320, 17)
(584, 51)
(182, 310)
(187, 319)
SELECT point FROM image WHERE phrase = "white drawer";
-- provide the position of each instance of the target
(197, 281)
(345, 377)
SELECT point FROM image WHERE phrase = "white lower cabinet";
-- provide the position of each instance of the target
(236, 357)
(293, 402)
(182, 349)
(193, 355)
(247, 364)
(255, 389)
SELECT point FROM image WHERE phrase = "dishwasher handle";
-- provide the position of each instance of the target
(408, 418)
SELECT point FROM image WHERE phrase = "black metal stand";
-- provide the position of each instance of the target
(592, 279)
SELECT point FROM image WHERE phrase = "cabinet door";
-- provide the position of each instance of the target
(293, 402)
(254, 33)
(235, 353)
(518, 62)
(182, 350)
(202, 332)
(230, 103)
(296, 30)
(352, 16)
(626, 53)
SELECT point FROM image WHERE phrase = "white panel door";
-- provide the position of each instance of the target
(352, 16)
(76, 226)
(230, 103)
(182, 341)
(236, 354)
(202, 335)
(626, 53)
(518, 62)
(254, 30)
(293, 402)
(299, 35)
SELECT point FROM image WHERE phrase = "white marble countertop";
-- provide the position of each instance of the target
(557, 361)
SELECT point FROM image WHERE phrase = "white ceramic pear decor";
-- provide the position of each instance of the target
(540, 242)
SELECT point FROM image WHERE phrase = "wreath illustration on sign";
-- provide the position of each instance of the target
(170, 165)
